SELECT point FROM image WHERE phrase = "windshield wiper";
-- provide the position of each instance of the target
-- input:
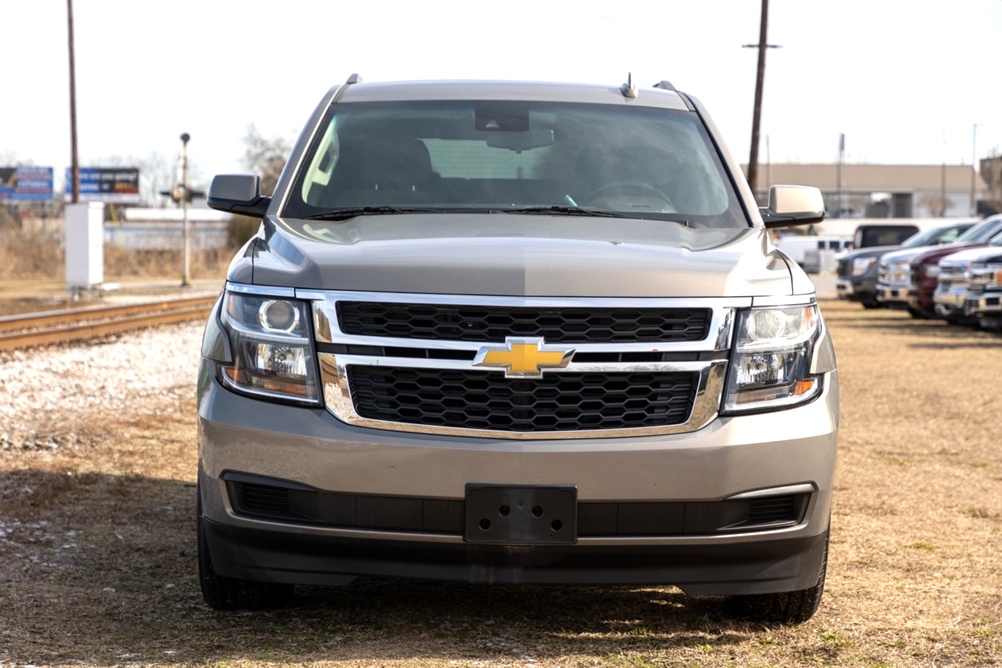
(566, 211)
(352, 212)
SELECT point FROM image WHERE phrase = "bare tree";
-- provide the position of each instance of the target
(265, 156)
(937, 205)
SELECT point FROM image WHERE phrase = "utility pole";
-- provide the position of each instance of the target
(974, 170)
(759, 80)
(74, 162)
(185, 201)
(838, 175)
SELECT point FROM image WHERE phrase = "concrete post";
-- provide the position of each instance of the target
(84, 247)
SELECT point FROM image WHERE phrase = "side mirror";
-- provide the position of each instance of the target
(793, 205)
(238, 193)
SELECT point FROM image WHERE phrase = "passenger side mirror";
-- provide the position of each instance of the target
(793, 205)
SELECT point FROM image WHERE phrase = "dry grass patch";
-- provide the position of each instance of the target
(26, 254)
(97, 550)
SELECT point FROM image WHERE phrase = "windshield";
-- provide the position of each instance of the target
(981, 232)
(475, 156)
(921, 239)
(938, 235)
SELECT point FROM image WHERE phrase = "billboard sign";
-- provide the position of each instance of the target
(105, 184)
(25, 184)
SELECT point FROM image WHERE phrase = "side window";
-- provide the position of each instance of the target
(318, 176)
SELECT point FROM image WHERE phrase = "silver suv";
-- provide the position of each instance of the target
(516, 333)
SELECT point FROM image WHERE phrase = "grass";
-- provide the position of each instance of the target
(27, 255)
(97, 548)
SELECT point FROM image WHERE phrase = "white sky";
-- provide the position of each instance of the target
(905, 80)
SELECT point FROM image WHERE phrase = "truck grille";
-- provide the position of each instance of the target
(490, 401)
(523, 368)
(482, 323)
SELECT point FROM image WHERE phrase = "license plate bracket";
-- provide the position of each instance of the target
(521, 514)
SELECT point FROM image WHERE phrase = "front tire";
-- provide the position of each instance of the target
(787, 607)
(222, 593)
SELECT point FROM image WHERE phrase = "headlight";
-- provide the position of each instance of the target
(771, 367)
(860, 265)
(272, 349)
(985, 276)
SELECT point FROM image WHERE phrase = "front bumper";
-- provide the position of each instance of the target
(727, 459)
(700, 570)
(855, 288)
(949, 302)
(984, 304)
(893, 295)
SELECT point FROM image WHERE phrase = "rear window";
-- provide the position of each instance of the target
(487, 156)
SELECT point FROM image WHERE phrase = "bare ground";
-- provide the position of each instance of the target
(97, 549)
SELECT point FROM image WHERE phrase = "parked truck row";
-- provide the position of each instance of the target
(953, 272)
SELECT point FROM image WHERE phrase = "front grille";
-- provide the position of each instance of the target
(482, 323)
(489, 401)
(844, 268)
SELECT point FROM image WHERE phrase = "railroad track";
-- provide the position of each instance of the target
(65, 326)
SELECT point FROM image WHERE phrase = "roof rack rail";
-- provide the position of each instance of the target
(354, 79)
(664, 85)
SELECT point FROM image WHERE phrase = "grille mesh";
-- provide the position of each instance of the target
(489, 401)
(493, 323)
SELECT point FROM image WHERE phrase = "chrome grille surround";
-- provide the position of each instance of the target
(705, 360)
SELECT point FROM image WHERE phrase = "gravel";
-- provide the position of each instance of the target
(46, 389)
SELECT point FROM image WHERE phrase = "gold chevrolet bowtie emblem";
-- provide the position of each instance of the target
(525, 358)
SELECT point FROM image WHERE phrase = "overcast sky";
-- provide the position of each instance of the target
(907, 81)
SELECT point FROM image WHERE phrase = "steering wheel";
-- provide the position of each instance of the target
(625, 187)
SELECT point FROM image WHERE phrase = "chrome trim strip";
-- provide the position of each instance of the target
(786, 490)
(598, 541)
(785, 300)
(262, 290)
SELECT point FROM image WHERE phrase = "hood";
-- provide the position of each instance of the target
(517, 255)
(869, 251)
(905, 254)
(932, 254)
(973, 254)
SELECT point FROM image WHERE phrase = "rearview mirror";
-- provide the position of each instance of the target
(520, 141)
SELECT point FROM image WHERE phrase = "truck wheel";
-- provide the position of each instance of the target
(222, 593)
(788, 607)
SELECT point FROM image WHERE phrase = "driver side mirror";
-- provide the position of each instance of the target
(238, 193)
